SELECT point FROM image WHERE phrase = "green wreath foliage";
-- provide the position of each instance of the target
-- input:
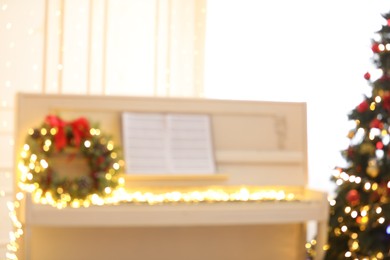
(56, 137)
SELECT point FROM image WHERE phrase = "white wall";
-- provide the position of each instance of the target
(312, 51)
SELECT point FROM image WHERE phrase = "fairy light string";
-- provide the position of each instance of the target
(55, 135)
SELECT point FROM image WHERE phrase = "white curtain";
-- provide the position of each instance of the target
(94, 47)
(136, 47)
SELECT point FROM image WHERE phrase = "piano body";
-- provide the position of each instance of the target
(256, 144)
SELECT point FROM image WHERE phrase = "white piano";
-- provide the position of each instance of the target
(256, 144)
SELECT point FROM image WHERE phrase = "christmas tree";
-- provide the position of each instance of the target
(359, 224)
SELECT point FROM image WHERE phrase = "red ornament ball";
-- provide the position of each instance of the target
(353, 197)
(384, 78)
(379, 145)
(367, 76)
(375, 196)
(376, 123)
(350, 152)
(386, 101)
(363, 107)
(375, 48)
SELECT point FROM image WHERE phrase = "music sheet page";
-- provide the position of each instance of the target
(167, 143)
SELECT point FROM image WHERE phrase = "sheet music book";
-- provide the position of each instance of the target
(157, 143)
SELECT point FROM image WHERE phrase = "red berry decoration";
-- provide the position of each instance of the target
(367, 76)
(353, 197)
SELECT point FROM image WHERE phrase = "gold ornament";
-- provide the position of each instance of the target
(372, 169)
(367, 148)
(351, 134)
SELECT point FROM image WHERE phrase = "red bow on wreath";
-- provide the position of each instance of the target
(80, 129)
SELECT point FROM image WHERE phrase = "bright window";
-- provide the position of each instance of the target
(312, 51)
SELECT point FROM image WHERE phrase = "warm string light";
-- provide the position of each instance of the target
(113, 196)
(121, 195)
(342, 177)
(13, 246)
(31, 164)
(310, 247)
(362, 216)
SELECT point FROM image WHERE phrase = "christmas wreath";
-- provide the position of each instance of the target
(74, 140)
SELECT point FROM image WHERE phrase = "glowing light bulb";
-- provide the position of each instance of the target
(47, 142)
(110, 145)
(355, 245)
(19, 196)
(44, 163)
(372, 106)
(358, 180)
(344, 228)
(43, 131)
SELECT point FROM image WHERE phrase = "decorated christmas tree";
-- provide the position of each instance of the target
(359, 224)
